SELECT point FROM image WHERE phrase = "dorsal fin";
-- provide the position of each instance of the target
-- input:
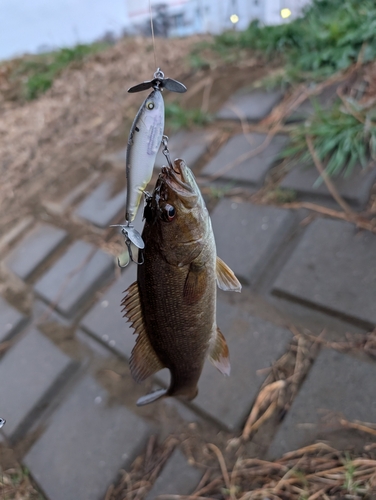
(144, 361)
(219, 354)
(226, 278)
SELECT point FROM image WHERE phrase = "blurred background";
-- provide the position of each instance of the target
(39, 26)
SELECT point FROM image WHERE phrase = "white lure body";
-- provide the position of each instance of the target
(143, 144)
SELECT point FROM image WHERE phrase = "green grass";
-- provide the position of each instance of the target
(197, 62)
(39, 72)
(342, 139)
(16, 485)
(350, 485)
(178, 117)
(280, 195)
(328, 38)
(219, 192)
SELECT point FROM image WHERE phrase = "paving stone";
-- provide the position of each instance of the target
(325, 100)
(335, 386)
(251, 169)
(19, 228)
(190, 146)
(105, 320)
(33, 370)
(43, 313)
(100, 207)
(60, 206)
(333, 268)
(89, 343)
(253, 106)
(355, 189)
(71, 289)
(177, 408)
(177, 478)
(86, 444)
(253, 344)
(248, 235)
(11, 320)
(34, 249)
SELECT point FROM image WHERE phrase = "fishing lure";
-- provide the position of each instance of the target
(145, 139)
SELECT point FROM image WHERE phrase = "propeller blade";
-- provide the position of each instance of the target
(174, 85)
(141, 86)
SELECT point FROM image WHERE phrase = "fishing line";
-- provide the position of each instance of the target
(152, 33)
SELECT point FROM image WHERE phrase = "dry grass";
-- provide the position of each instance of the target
(47, 143)
(16, 485)
(135, 484)
(310, 473)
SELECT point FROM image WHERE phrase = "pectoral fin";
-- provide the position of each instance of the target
(226, 278)
(195, 283)
(144, 361)
(219, 354)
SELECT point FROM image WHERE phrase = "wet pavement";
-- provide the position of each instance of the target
(314, 273)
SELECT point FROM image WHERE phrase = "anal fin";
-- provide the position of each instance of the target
(144, 360)
(226, 278)
(219, 354)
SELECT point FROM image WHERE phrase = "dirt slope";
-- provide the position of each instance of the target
(50, 144)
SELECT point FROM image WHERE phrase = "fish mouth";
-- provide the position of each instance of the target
(179, 178)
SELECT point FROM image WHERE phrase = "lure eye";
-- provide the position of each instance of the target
(150, 105)
(169, 212)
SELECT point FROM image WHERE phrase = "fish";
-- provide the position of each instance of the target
(172, 304)
(145, 139)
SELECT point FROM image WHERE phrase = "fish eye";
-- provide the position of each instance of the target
(150, 105)
(169, 212)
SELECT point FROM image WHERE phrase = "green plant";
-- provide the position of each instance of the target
(178, 117)
(342, 136)
(329, 37)
(350, 484)
(280, 195)
(219, 192)
(40, 71)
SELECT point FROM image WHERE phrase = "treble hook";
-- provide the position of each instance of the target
(131, 235)
(166, 152)
(129, 246)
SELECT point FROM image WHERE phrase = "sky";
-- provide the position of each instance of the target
(41, 25)
(27, 25)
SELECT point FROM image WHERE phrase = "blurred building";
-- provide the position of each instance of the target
(186, 17)
(43, 25)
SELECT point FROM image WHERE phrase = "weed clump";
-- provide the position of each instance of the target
(344, 136)
(330, 36)
(40, 71)
(178, 117)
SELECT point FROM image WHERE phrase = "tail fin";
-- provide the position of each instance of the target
(151, 397)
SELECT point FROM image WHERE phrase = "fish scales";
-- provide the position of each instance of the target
(176, 328)
(173, 303)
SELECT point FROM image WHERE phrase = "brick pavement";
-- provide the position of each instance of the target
(87, 433)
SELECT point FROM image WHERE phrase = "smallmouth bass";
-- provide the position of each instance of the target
(172, 305)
